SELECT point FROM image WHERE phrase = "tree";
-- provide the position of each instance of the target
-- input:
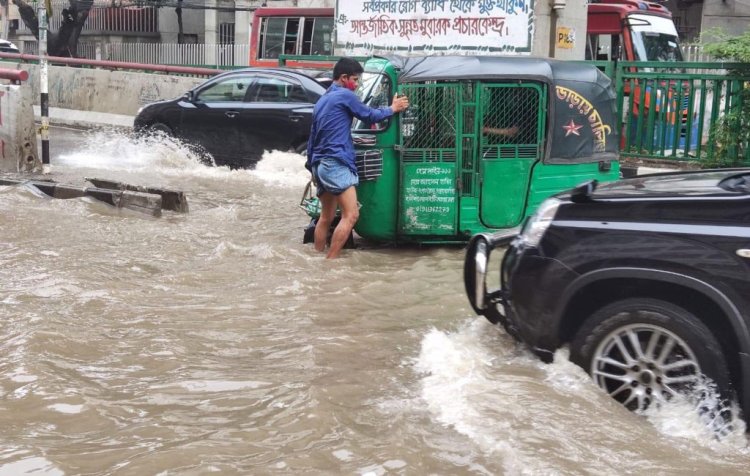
(733, 48)
(732, 132)
(180, 33)
(63, 42)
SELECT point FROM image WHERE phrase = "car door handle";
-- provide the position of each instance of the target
(743, 253)
(295, 117)
(231, 114)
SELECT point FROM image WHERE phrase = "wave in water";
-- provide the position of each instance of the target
(541, 418)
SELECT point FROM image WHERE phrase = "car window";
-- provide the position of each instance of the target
(278, 90)
(231, 89)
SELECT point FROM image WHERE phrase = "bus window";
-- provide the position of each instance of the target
(278, 35)
(317, 36)
(290, 40)
(272, 37)
(307, 36)
(291, 31)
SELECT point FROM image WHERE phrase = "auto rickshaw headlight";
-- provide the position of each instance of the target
(537, 225)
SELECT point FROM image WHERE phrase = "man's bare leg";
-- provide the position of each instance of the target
(327, 212)
(347, 202)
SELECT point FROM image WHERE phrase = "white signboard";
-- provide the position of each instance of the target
(366, 27)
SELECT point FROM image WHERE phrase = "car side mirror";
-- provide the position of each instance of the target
(188, 96)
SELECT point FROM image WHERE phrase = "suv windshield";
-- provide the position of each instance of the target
(374, 91)
(654, 38)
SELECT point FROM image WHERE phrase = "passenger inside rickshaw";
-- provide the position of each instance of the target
(510, 121)
(511, 116)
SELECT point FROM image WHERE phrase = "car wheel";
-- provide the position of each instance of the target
(644, 351)
(162, 128)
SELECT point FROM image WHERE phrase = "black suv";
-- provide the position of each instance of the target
(647, 280)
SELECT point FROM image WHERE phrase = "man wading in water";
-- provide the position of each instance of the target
(330, 151)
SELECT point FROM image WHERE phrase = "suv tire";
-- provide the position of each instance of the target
(636, 378)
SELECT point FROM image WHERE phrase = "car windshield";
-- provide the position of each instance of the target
(654, 38)
(374, 91)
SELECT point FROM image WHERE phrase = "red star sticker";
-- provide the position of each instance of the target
(571, 128)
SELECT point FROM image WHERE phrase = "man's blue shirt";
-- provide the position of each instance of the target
(330, 135)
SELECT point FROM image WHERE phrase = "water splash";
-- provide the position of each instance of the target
(282, 168)
(33, 465)
(485, 386)
(118, 150)
(703, 416)
(168, 156)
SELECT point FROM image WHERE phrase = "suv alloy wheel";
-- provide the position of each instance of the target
(644, 350)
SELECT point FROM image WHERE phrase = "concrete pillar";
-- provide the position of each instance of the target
(560, 32)
(18, 147)
(242, 18)
(212, 32)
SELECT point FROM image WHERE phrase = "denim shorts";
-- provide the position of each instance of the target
(333, 176)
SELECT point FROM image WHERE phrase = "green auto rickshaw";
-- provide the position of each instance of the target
(484, 141)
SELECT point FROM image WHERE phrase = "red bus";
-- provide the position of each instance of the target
(291, 31)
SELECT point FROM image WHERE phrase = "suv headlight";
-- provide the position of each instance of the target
(535, 227)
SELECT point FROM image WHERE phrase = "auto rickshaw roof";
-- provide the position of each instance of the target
(454, 68)
(582, 125)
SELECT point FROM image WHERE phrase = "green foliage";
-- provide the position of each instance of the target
(731, 134)
(732, 48)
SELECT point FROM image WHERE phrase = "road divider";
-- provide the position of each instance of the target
(147, 200)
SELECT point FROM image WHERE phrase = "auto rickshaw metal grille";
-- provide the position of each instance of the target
(369, 164)
(510, 121)
(429, 126)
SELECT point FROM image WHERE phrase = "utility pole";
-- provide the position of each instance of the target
(43, 83)
(6, 21)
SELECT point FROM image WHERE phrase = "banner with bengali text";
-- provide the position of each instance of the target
(365, 27)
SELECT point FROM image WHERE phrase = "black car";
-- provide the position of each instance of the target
(8, 47)
(647, 280)
(238, 115)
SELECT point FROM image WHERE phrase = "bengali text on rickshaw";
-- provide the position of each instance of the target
(429, 196)
(599, 130)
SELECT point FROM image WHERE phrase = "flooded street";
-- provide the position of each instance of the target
(215, 342)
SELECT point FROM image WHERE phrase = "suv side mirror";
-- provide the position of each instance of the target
(188, 96)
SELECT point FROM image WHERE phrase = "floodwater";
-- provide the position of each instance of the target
(215, 342)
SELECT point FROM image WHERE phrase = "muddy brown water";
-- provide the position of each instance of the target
(215, 342)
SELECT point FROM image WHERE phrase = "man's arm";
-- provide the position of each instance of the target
(372, 115)
(310, 145)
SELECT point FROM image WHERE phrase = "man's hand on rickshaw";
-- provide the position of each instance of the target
(400, 103)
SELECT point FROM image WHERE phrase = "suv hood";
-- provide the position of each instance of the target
(712, 182)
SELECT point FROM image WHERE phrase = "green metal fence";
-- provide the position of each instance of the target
(684, 111)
